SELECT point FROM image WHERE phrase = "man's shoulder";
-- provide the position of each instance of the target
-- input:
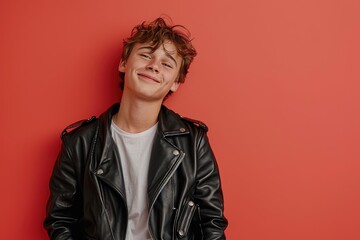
(196, 123)
(78, 127)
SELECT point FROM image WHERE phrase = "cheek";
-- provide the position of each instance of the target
(172, 75)
(171, 79)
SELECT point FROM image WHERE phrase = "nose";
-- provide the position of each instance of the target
(153, 66)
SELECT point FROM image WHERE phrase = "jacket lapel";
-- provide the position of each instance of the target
(109, 168)
(165, 156)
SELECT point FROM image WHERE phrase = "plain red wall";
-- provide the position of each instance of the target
(276, 81)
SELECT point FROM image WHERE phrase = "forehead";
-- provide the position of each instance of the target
(166, 46)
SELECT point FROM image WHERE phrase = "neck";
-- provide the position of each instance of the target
(136, 116)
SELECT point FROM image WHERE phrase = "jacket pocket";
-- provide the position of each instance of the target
(185, 218)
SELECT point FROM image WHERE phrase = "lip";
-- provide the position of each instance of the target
(148, 77)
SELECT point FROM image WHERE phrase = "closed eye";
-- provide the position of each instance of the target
(144, 55)
(167, 65)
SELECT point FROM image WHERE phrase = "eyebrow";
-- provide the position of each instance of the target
(166, 53)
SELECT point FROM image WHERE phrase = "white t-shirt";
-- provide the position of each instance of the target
(135, 151)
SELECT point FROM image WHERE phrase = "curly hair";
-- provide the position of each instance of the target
(156, 33)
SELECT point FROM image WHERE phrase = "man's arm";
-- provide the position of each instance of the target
(208, 193)
(64, 205)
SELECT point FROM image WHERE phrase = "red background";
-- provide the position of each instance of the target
(276, 81)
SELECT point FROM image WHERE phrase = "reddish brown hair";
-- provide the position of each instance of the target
(156, 33)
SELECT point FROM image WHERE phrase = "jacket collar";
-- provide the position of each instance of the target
(170, 123)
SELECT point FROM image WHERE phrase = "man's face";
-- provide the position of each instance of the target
(150, 75)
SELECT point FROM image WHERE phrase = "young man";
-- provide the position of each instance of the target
(139, 171)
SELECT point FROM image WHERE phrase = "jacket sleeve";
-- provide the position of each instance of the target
(208, 193)
(64, 205)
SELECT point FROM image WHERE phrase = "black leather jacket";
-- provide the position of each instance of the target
(87, 191)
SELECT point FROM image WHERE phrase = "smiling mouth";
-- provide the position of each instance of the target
(147, 77)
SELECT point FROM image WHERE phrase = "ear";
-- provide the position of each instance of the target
(122, 66)
(175, 86)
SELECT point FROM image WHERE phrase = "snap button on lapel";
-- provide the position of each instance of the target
(182, 130)
(176, 152)
(191, 203)
(181, 233)
(99, 172)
